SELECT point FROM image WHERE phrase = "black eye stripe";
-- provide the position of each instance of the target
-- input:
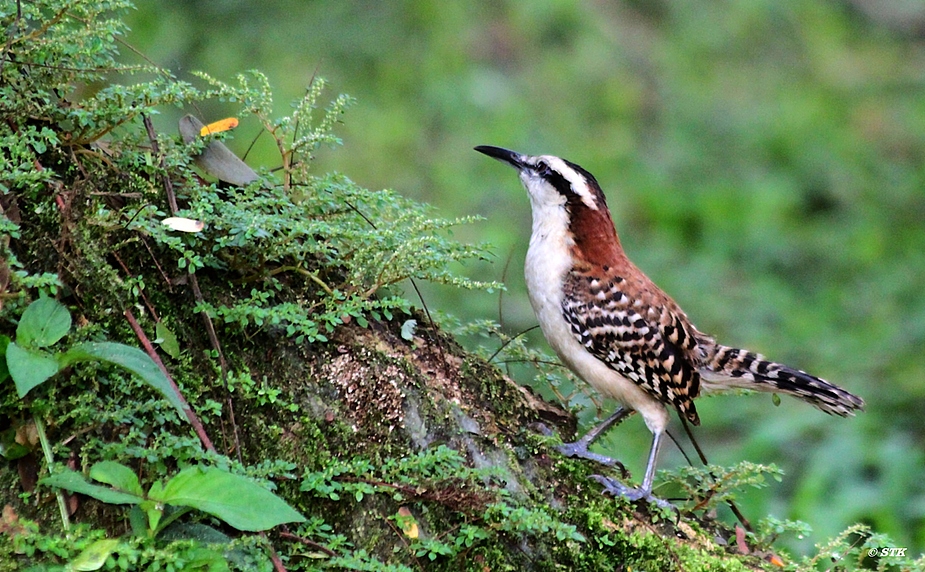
(554, 178)
(559, 182)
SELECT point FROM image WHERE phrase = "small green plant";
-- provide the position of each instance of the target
(84, 549)
(712, 485)
(857, 547)
(229, 497)
(521, 520)
(29, 363)
(42, 325)
(439, 476)
(768, 529)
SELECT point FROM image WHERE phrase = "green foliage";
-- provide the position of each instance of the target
(43, 324)
(859, 548)
(85, 549)
(709, 486)
(521, 520)
(348, 242)
(439, 475)
(227, 496)
(768, 529)
(357, 477)
(295, 254)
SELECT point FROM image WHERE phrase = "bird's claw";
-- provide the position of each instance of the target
(580, 450)
(633, 494)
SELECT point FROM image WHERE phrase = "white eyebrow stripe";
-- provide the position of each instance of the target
(578, 182)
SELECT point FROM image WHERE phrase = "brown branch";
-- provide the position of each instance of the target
(141, 292)
(190, 414)
(194, 285)
(307, 542)
(157, 264)
(274, 557)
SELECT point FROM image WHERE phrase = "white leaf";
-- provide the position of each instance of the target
(407, 329)
(184, 224)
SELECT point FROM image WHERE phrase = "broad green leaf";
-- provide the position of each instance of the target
(117, 476)
(236, 500)
(75, 482)
(43, 323)
(132, 359)
(94, 556)
(29, 367)
(156, 490)
(138, 520)
(202, 533)
(168, 340)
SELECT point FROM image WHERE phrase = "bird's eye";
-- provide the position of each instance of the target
(542, 168)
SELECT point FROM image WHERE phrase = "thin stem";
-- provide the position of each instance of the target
(187, 410)
(46, 449)
(314, 278)
(504, 345)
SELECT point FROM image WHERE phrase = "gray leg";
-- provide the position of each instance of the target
(650, 465)
(580, 447)
(644, 492)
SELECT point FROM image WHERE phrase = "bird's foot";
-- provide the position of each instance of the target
(618, 489)
(580, 449)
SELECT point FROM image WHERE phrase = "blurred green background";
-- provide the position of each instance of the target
(763, 160)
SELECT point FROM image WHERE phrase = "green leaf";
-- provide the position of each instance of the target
(117, 476)
(75, 482)
(205, 559)
(94, 556)
(156, 490)
(168, 340)
(236, 500)
(43, 323)
(132, 359)
(29, 367)
(138, 521)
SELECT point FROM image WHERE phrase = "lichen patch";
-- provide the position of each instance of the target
(373, 396)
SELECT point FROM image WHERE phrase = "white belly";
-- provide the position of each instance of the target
(546, 266)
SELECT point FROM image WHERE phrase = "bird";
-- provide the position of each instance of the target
(618, 331)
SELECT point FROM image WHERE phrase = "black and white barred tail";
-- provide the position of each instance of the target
(727, 368)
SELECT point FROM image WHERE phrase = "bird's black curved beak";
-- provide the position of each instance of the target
(504, 155)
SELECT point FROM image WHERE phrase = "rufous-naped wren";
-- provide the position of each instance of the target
(616, 330)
